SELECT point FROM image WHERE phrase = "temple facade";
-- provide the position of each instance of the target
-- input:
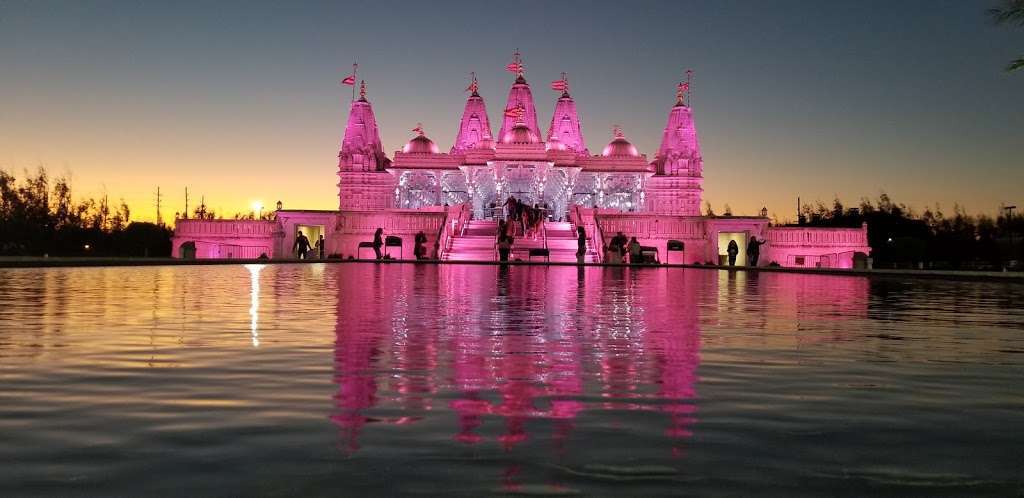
(455, 197)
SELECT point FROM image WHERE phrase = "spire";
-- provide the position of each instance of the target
(519, 96)
(361, 148)
(475, 127)
(679, 153)
(565, 123)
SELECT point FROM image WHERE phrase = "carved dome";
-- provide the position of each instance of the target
(420, 145)
(520, 134)
(619, 147)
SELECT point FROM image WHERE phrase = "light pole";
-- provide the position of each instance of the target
(1009, 227)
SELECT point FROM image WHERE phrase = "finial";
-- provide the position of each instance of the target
(418, 129)
(561, 85)
(689, 76)
(516, 67)
(473, 85)
(362, 89)
(617, 131)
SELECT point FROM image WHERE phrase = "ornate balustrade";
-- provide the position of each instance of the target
(391, 221)
(818, 236)
(652, 226)
(224, 228)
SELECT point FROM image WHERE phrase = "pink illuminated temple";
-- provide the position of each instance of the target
(455, 198)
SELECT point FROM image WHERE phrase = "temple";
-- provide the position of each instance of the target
(455, 198)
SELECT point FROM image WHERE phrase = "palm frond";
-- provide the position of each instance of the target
(1015, 65)
(1011, 11)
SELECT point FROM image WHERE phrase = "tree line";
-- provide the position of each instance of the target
(40, 217)
(901, 236)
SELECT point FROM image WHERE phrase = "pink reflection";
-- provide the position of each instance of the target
(532, 349)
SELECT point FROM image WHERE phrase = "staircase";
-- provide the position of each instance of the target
(476, 243)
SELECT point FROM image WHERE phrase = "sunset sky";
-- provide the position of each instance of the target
(240, 101)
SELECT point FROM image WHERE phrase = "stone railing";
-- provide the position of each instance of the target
(652, 226)
(392, 221)
(224, 228)
(818, 236)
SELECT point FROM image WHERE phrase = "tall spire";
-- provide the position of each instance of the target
(679, 153)
(565, 122)
(475, 127)
(361, 148)
(519, 96)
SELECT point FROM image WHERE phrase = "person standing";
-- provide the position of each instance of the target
(581, 245)
(378, 242)
(733, 250)
(420, 250)
(633, 248)
(321, 246)
(754, 250)
(504, 248)
(301, 246)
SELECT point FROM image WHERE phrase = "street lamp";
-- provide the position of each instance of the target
(279, 205)
(1009, 227)
(764, 212)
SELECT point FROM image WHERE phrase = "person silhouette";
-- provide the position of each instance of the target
(301, 246)
(732, 251)
(321, 246)
(754, 250)
(378, 242)
(581, 244)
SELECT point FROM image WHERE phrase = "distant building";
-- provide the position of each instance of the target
(455, 197)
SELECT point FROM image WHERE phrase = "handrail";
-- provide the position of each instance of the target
(544, 233)
(594, 233)
(446, 233)
(441, 242)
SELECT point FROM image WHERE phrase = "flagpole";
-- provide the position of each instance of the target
(689, 75)
(354, 79)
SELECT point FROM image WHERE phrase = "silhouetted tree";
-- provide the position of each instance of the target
(1010, 12)
(37, 219)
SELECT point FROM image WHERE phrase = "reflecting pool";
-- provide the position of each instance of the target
(362, 379)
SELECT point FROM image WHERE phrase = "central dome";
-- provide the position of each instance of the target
(520, 134)
(420, 145)
(620, 147)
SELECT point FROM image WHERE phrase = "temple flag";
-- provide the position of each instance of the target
(515, 112)
(559, 85)
(349, 80)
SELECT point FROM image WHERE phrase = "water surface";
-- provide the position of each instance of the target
(398, 379)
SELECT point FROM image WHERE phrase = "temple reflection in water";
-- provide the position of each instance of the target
(526, 361)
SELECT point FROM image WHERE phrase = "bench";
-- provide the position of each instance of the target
(394, 241)
(540, 253)
(364, 245)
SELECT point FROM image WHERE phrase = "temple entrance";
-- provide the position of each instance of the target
(312, 232)
(723, 247)
(530, 183)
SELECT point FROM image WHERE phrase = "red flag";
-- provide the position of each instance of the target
(514, 67)
(559, 85)
(349, 80)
